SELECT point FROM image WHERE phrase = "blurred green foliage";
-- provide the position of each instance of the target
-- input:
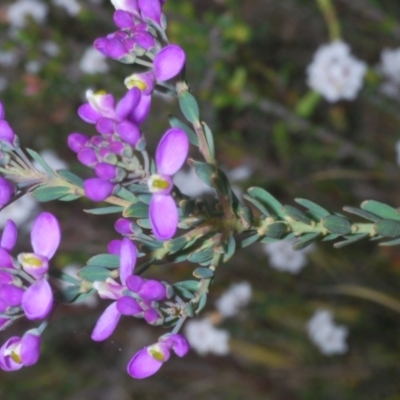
(246, 65)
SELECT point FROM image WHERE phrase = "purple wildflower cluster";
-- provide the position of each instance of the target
(137, 297)
(24, 288)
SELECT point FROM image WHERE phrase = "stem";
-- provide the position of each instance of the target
(179, 324)
(331, 19)
(144, 63)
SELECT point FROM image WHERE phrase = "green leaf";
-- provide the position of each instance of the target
(70, 197)
(267, 199)
(315, 210)
(83, 296)
(176, 244)
(361, 213)
(136, 210)
(38, 158)
(202, 302)
(104, 260)
(331, 236)
(393, 242)
(70, 177)
(60, 274)
(350, 240)
(190, 285)
(189, 106)
(44, 194)
(229, 248)
(296, 214)
(257, 204)
(136, 188)
(93, 273)
(144, 223)
(307, 104)
(276, 230)
(187, 207)
(305, 240)
(387, 228)
(209, 139)
(145, 198)
(206, 172)
(201, 256)
(248, 241)
(126, 195)
(176, 123)
(68, 294)
(336, 224)
(380, 209)
(203, 273)
(105, 210)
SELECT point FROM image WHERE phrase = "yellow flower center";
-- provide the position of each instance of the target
(133, 81)
(156, 353)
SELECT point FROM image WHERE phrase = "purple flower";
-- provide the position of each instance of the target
(20, 352)
(37, 300)
(7, 189)
(45, 239)
(169, 62)
(171, 153)
(97, 189)
(149, 360)
(6, 133)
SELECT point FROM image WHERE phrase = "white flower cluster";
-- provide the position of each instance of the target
(203, 336)
(335, 73)
(93, 62)
(283, 258)
(390, 65)
(330, 338)
(72, 7)
(18, 12)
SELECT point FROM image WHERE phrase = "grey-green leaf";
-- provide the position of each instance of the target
(267, 199)
(296, 214)
(276, 230)
(136, 210)
(105, 260)
(315, 210)
(189, 107)
(387, 228)
(44, 194)
(336, 224)
(203, 273)
(93, 273)
(380, 209)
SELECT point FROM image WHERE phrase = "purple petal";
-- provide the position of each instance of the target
(76, 141)
(98, 189)
(123, 226)
(127, 305)
(123, 19)
(128, 132)
(5, 277)
(6, 362)
(11, 295)
(150, 9)
(87, 156)
(100, 45)
(107, 323)
(45, 235)
(6, 132)
(169, 62)
(105, 126)
(30, 349)
(114, 247)
(127, 261)
(152, 290)
(180, 345)
(5, 259)
(140, 113)
(145, 40)
(9, 236)
(134, 282)
(163, 216)
(143, 365)
(172, 151)
(116, 49)
(151, 316)
(128, 103)
(37, 300)
(7, 190)
(88, 113)
(105, 171)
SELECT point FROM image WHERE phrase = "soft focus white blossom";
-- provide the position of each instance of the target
(52, 159)
(390, 65)
(335, 73)
(72, 7)
(204, 337)
(330, 338)
(52, 49)
(398, 152)
(238, 295)
(33, 67)
(283, 258)
(93, 62)
(8, 58)
(20, 211)
(190, 184)
(18, 11)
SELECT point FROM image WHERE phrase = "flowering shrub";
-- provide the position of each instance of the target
(156, 223)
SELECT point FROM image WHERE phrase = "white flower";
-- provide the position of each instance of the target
(283, 258)
(52, 49)
(72, 7)
(238, 295)
(204, 338)
(52, 159)
(390, 65)
(335, 73)
(398, 152)
(330, 338)
(8, 58)
(190, 184)
(20, 211)
(33, 67)
(21, 9)
(93, 62)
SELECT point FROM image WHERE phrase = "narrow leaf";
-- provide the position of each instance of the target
(267, 199)
(315, 210)
(176, 123)
(189, 106)
(380, 209)
(105, 210)
(44, 194)
(39, 159)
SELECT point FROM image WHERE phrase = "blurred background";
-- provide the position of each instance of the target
(247, 64)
